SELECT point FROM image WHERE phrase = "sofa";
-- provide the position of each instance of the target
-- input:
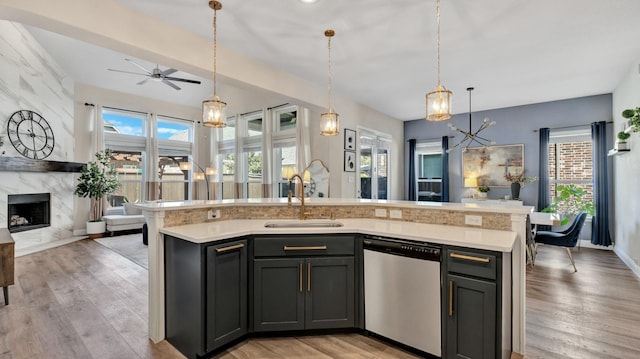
(123, 218)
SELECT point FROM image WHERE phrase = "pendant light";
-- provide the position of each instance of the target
(438, 101)
(329, 123)
(213, 111)
(472, 137)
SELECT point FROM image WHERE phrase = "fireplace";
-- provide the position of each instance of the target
(28, 211)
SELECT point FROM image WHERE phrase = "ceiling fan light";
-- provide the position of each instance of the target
(213, 113)
(329, 123)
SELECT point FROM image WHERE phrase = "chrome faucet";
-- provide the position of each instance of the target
(303, 214)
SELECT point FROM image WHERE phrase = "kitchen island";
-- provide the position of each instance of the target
(497, 229)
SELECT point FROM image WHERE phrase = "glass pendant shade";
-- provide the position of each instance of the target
(213, 113)
(329, 123)
(439, 105)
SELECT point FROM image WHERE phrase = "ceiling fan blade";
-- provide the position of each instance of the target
(143, 81)
(128, 72)
(138, 66)
(170, 84)
(168, 72)
(182, 80)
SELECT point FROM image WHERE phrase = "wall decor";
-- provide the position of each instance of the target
(349, 139)
(30, 134)
(488, 165)
(349, 161)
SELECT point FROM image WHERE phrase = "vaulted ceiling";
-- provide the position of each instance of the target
(513, 52)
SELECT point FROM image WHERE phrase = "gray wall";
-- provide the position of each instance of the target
(514, 125)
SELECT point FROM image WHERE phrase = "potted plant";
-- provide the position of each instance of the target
(633, 115)
(570, 201)
(621, 141)
(517, 180)
(96, 180)
(482, 191)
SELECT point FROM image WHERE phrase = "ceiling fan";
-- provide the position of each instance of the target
(157, 75)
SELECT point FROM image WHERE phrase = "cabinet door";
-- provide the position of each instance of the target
(278, 294)
(226, 293)
(471, 318)
(330, 293)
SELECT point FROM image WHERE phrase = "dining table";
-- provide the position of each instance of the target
(539, 219)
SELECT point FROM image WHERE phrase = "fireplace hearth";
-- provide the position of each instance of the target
(28, 211)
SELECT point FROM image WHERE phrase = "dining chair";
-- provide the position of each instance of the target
(567, 238)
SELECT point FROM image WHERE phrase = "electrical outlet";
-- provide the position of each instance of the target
(213, 214)
(395, 213)
(473, 220)
(381, 212)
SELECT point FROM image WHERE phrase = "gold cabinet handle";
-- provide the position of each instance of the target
(230, 248)
(300, 277)
(309, 277)
(304, 248)
(470, 258)
(450, 298)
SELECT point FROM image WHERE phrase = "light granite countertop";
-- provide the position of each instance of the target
(494, 240)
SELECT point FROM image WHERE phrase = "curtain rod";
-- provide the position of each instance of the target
(566, 127)
(429, 139)
(125, 110)
(284, 104)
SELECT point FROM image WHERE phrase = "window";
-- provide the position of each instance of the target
(374, 165)
(570, 160)
(173, 182)
(174, 130)
(252, 154)
(123, 122)
(129, 166)
(429, 171)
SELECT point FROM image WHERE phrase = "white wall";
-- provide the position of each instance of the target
(627, 172)
(31, 80)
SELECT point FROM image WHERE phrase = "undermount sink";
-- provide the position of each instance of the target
(303, 224)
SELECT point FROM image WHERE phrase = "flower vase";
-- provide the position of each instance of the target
(515, 190)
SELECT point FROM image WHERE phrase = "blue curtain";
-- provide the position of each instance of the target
(412, 171)
(445, 169)
(600, 222)
(543, 173)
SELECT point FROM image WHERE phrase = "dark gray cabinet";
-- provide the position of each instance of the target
(205, 294)
(471, 304)
(313, 287)
(226, 293)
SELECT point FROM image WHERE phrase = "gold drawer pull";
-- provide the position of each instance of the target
(230, 248)
(304, 248)
(470, 258)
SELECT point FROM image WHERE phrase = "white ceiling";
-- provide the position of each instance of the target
(513, 52)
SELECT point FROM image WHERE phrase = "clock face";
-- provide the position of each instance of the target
(30, 134)
(309, 188)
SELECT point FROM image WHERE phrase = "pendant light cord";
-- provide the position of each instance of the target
(215, 50)
(329, 73)
(438, 38)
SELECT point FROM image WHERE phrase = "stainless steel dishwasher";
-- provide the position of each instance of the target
(402, 292)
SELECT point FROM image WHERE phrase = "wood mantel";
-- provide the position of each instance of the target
(21, 164)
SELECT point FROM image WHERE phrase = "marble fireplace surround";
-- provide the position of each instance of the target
(23, 176)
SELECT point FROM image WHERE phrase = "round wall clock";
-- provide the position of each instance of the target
(30, 134)
(309, 188)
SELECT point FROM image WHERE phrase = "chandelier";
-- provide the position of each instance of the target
(329, 123)
(213, 111)
(472, 137)
(438, 101)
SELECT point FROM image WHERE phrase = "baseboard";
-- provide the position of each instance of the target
(47, 245)
(635, 268)
(79, 232)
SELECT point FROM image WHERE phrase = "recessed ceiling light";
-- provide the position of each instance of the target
(308, 1)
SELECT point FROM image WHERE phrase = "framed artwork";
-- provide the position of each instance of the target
(349, 161)
(349, 140)
(486, 166)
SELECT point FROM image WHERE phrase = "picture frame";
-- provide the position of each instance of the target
(349, 139)
(486, 166)
(349, 161)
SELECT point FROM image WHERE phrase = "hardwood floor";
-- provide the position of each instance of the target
(592, 313)
(83, 300)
